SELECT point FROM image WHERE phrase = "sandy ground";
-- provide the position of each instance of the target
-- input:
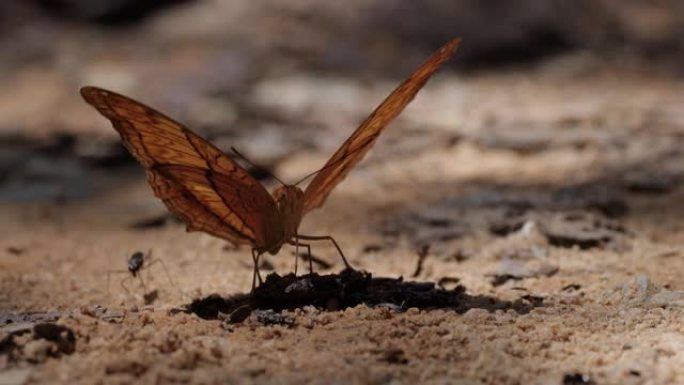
(565, 184)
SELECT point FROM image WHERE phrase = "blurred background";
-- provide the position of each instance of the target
(541, 93)
(276, 77)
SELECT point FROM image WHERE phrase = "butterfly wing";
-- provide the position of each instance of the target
(354, 148)
(196, 181)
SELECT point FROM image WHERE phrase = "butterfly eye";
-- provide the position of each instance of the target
(279, 194)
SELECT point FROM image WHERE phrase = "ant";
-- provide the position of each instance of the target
(134, 266)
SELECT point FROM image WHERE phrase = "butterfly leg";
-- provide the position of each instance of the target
(308, 254)
(255, 258)
(328, 238)
(296, 244)
(296, 254)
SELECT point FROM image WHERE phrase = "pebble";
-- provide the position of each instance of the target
(642, 292)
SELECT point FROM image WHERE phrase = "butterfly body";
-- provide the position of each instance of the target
(290, 203)
(213, 194)
(285, 222)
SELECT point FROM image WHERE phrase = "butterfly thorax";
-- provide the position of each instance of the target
(290, 203)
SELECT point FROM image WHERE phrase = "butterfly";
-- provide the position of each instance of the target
(213, 194)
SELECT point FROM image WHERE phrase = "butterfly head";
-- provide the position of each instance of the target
(289, 198)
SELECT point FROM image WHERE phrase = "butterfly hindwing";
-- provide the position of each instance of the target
(197, 181)
(216, 191)
(193, 213)
(356, 146)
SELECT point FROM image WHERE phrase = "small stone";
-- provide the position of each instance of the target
(37, 351)
(476, 314)
(666, 298)
(270, 317)
(15, 376)
(412, 311)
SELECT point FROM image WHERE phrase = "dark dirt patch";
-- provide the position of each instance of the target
(394, 356)
(585, 215)
(651, 183)
(58, 340)
(577, 379)
(151, 222)
(500, 279)
(572, 287)
(15, 250)
(582, 230)
(347, 289)
(506, 226)
(62, 336)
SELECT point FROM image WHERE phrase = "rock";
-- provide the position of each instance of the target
(515, 270)
(666, 298)
(269, 317)
(641, 292)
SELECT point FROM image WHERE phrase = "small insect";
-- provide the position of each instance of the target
(212, 193)
(135, 264)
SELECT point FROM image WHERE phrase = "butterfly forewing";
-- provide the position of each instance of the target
(354, 148)
(195, 180)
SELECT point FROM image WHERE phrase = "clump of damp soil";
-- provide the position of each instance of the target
(347, 289)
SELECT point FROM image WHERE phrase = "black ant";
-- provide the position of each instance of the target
(134, 266)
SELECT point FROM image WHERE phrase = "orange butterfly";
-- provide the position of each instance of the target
(213, 194)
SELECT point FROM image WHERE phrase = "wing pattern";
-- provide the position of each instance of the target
(356, 146)
(206, 188)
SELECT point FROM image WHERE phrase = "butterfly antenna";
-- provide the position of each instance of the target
(307, 176)
(262, 169)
